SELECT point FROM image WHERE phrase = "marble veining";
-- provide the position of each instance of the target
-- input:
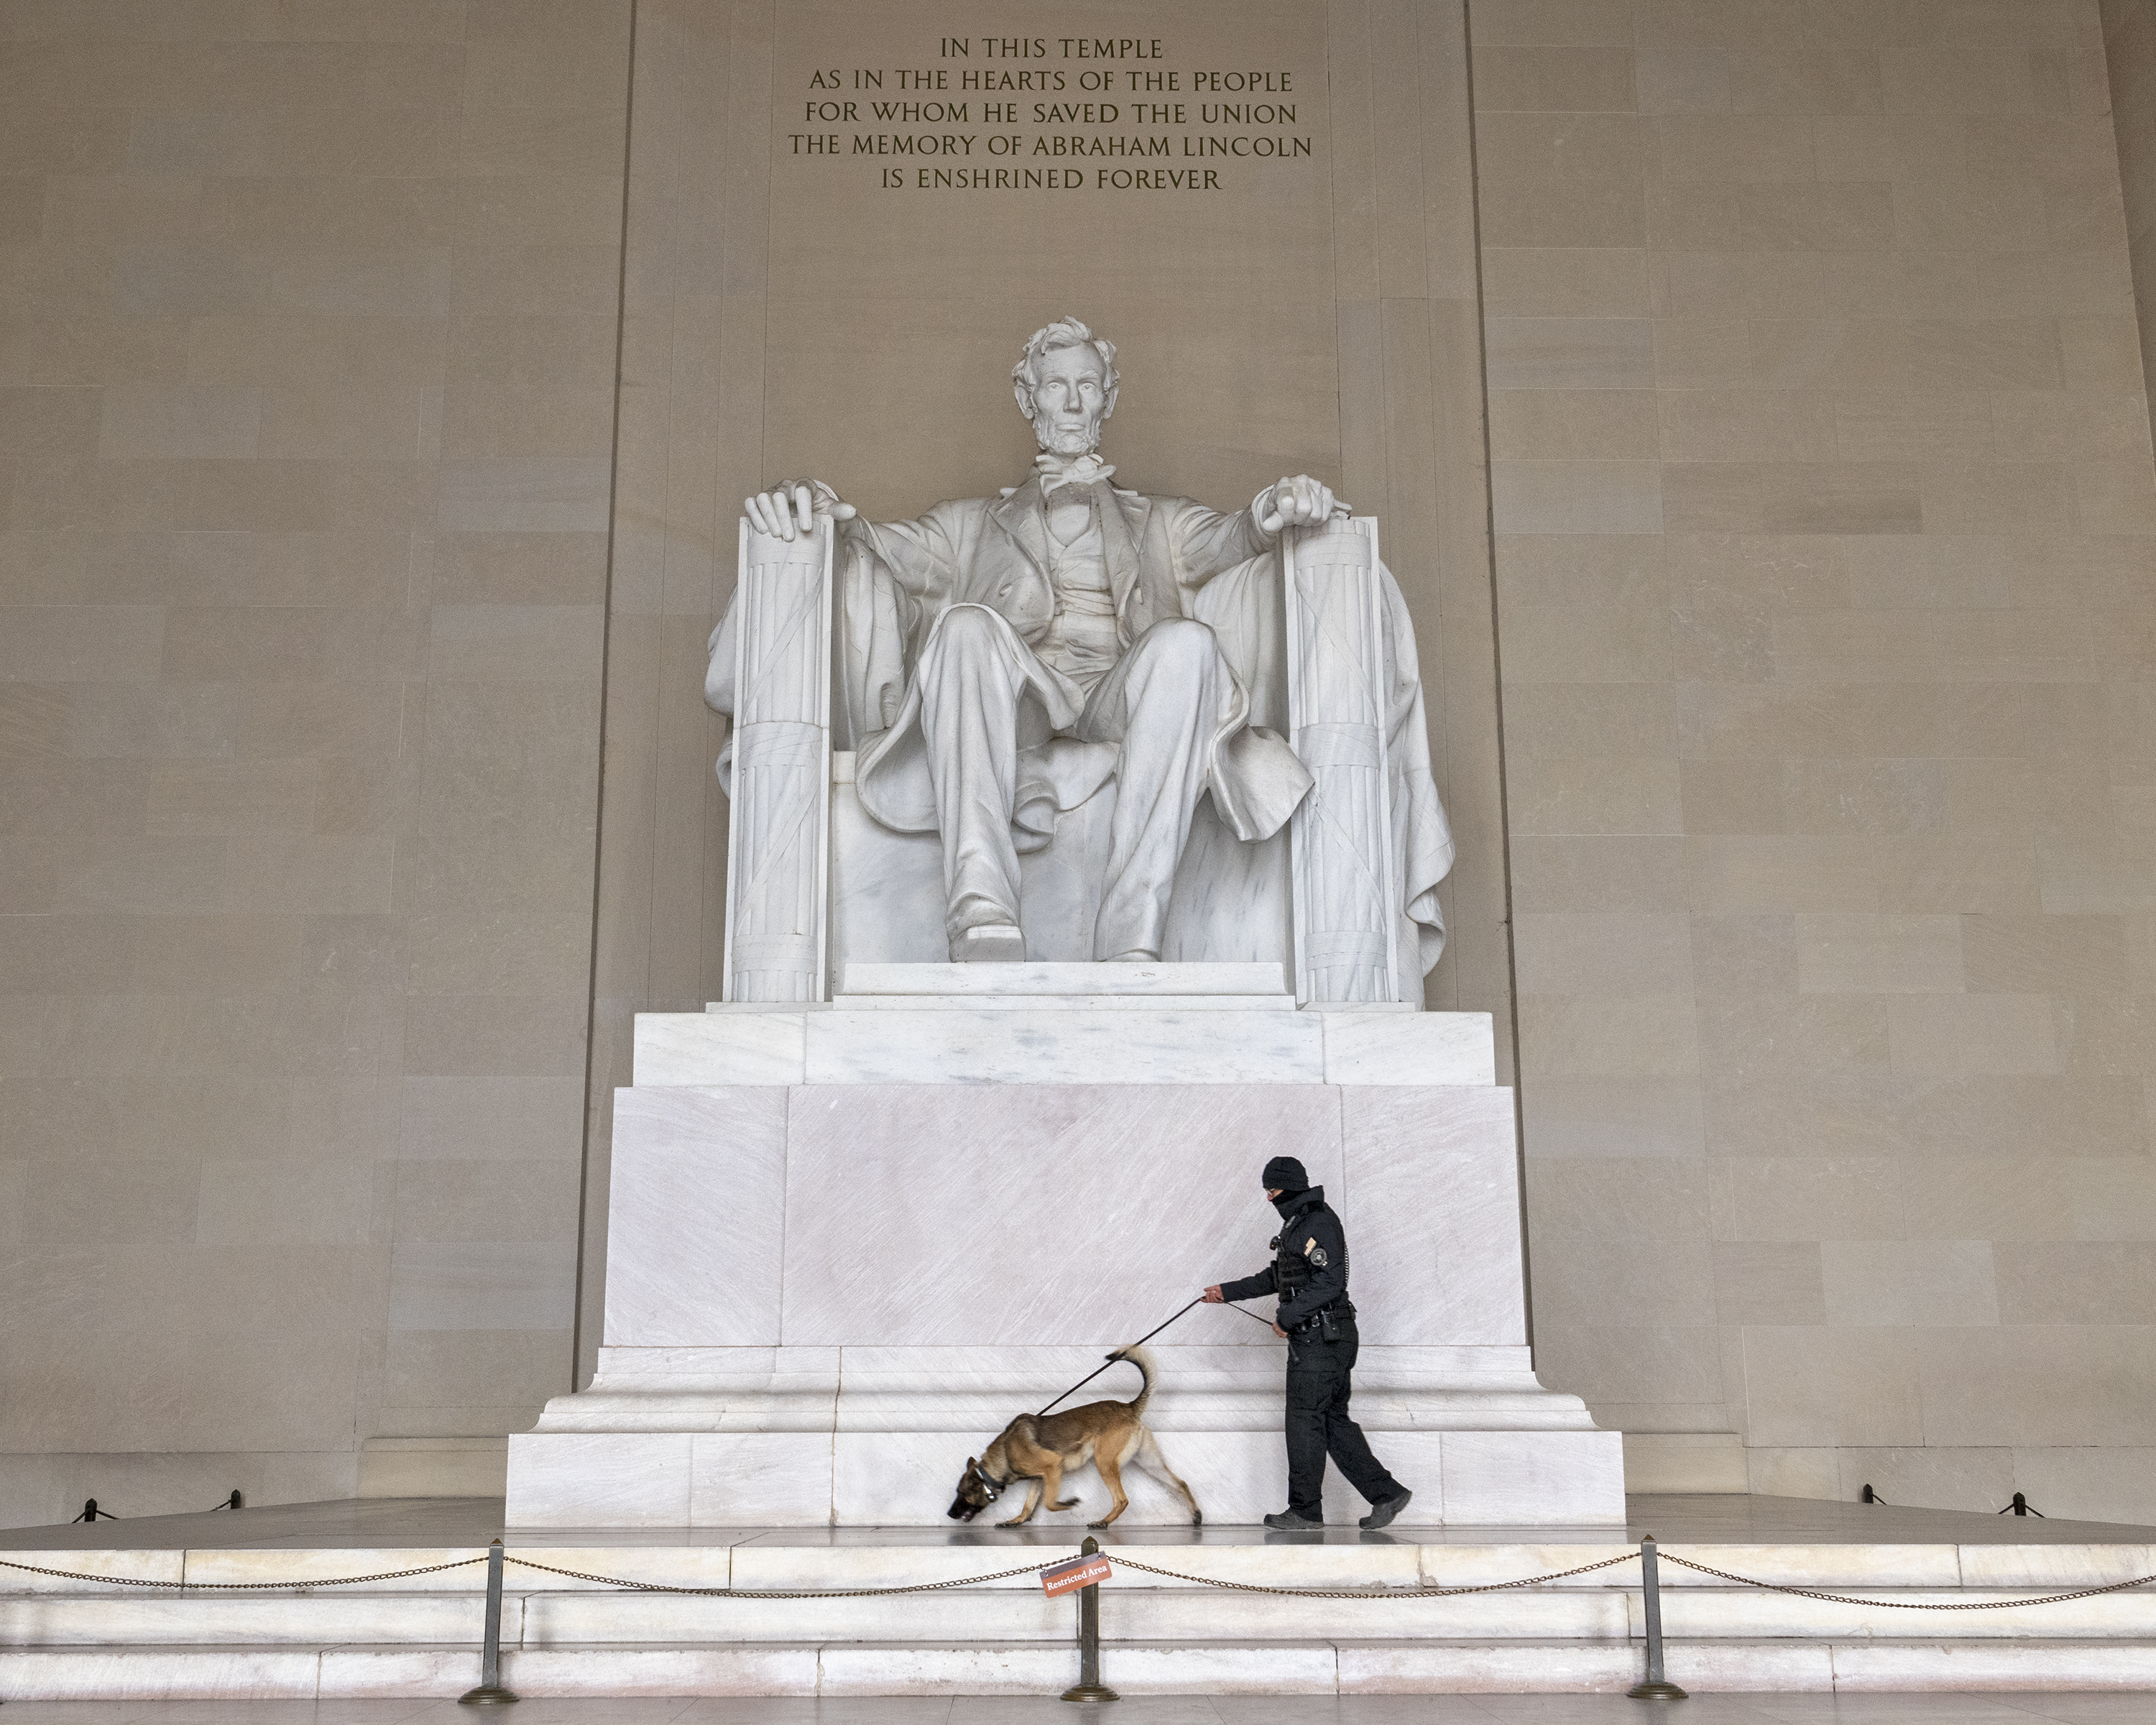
(1437, 1204)
(666, 1260)
(1420, 1048)
(1018, 1037)
(1159, 1183)
(1070, 1048)
(733, 1045)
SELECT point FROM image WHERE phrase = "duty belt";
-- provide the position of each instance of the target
(1341, 1302)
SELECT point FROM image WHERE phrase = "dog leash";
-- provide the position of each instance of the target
(1122, 1352)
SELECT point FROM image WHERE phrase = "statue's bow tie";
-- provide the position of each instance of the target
(1057, 471)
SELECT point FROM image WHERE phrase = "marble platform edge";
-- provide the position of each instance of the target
(1019, 1366)
(740, 1406)
(1727, 1521)
(1268, 977)
(1120, 1043)
(811, 1668)
(968, 1393)
(1046, 1003)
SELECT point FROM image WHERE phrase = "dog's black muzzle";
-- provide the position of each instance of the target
(974, 1478)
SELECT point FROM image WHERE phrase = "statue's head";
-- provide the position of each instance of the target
(1066, 383)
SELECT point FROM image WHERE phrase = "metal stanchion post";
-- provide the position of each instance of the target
(1657, 1687)
(490, 1693)
(1089, 1687)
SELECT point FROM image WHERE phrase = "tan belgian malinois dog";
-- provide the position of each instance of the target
(1038, 1450)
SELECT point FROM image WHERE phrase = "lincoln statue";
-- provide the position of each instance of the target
(1050, 649)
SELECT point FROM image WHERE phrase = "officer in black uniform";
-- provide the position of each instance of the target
(1309, 1272)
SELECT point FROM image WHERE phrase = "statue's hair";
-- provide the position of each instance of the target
(1064, 332)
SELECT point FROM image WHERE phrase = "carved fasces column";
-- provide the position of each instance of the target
(1341, 844)
(778, 840)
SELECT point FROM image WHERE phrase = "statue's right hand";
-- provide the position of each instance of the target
(789, 510)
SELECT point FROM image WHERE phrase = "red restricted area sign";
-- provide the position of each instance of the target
(1068, 1578)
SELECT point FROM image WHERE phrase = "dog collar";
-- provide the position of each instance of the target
(988, 1485)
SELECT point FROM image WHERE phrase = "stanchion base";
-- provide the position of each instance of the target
(487, 1695)
(1090, 1692)
(1657, 1691)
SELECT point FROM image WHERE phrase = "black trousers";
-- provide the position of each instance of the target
(1318, 1427)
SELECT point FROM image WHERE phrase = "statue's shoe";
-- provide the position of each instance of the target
(990, 944)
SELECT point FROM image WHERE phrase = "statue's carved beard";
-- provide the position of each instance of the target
(1067, 440)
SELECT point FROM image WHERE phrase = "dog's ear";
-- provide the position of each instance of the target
(972, 1462)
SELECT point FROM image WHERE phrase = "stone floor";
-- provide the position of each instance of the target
(2079, 1708)
(376, 1523)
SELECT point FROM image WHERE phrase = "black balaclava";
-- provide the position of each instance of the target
(1284, 1174)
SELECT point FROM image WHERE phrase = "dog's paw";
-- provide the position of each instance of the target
(1102, 1522)
(1014, 1522)
(1197, 1517)
(1067, 1503)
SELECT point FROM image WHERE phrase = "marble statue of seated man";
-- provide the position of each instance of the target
(1051, 649)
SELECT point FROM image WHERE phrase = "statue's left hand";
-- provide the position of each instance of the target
(1298, 502)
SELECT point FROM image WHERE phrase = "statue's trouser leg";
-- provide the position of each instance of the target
(1162, 703)
(970, 681)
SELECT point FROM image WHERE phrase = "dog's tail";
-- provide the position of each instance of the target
(1143, 1361)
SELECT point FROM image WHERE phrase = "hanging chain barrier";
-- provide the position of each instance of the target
(1372, 1592)
(1806, 1593)
(244, 1587)
(772, 1593)
(1116, 1556)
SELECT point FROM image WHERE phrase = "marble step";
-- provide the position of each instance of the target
(535, 1620)
(1002, 1616)
(1300, 1666)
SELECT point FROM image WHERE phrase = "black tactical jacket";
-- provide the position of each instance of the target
(1309, 1230)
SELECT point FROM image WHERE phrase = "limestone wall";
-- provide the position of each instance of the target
(1823, 497)
(307, 359)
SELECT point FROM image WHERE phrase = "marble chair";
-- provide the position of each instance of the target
(810, 661)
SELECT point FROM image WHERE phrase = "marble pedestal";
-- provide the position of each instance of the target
(846, 1244)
